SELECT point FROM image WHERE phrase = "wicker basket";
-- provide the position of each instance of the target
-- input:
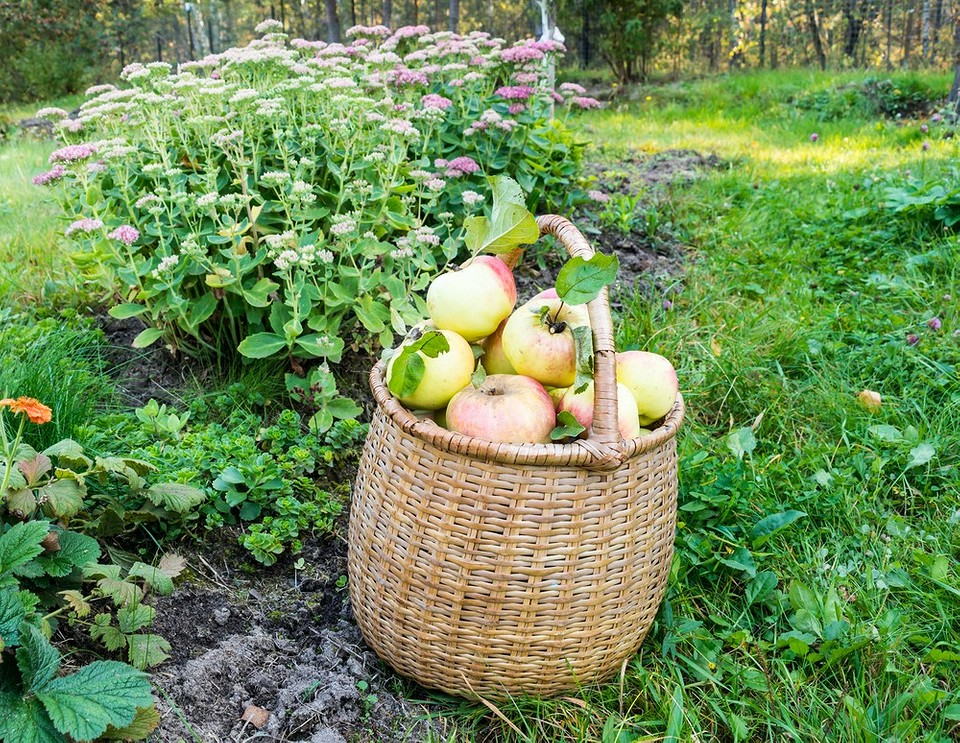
(486, 569)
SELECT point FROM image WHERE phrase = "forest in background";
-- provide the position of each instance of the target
(55, 47)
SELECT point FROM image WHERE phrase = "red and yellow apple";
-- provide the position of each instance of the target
(473, 300)
(540, 344)
(580, 405)
(443, 376)
(652, 381)
(506, 408)
(494, 360)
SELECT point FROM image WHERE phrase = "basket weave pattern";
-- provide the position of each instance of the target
(493, 570)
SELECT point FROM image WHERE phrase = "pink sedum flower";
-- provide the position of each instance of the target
(126, 234)
(585, 103)
(54, 174)
(73, 153)
(515, 92)
(460, 166)
(432, 100)
(85, 226)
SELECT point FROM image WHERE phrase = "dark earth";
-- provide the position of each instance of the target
(273, 654)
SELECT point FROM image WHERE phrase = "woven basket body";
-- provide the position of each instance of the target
(496, 570)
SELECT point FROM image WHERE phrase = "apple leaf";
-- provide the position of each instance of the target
(479, 375)
(580, 280)
(510, 225)
(583, 343)
(568, 426)
(408, 368)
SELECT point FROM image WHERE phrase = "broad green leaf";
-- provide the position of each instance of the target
(760, 587)
(806, 621)
(322, 346)
(201, 309)
(250, 510)
(343, 407)
(12, 613)
(770, 525)
(37, 659)
(146, 651)
(258, 295)
(103, 693)
(802, 597)
(374, 315)
(952, 713)
(154, 577)
(567, 426)
(262, 345)
(21, 544)
(580, 280)
(479, 375)
(406, 374)
(921, 454)
(130, 619)
(742, 442)
(67, 448)
(742, 560)
(111, 637)
(175, 496)
(62, 498)
(886, 433)
(321, 421)
(24, 720)
(510, 224)
(76, 550)
(147, 337)
(145, 722)
(123, 592)
(125, 311)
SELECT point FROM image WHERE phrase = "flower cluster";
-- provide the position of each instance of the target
(289, 191)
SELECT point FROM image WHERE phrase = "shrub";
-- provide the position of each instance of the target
(285, 198)
(890, 98)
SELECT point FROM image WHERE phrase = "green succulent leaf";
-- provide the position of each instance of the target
(262, 345)
(147, 337)
(581, 280)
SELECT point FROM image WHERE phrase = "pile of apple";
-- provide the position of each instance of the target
(525, 379)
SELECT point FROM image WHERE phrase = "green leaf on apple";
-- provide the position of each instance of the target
(408, 368)
(580, 280)
(479, 375)
(583, 344)
(569, 427)
(510, 225)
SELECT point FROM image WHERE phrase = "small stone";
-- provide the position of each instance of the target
(221, 615)
(256, 716)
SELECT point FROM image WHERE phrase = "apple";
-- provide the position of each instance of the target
(494, 360)
(473, 300)
(652, 381)
(443, 376)
(580, 405)
(506, 408)
(541, 345)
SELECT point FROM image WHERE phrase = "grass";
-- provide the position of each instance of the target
(841, 625)
(815, 590)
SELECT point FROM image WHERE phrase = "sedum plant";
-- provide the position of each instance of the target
(291, 197)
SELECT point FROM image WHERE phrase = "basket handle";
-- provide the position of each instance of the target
(606, 430)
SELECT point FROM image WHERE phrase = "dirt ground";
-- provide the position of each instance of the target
(273, 654)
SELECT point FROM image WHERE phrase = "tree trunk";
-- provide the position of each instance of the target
(585, 36)
(815, 34)
(954, 97)
(889, 24)
(908, 38)
(455, 16)
(387, 12)
(763, 32)
(925, 30)
(333, 21)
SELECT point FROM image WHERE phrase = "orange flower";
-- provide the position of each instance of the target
(35, 410)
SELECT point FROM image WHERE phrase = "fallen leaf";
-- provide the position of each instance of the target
(256, 716)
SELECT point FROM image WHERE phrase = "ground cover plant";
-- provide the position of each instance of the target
(814, 594)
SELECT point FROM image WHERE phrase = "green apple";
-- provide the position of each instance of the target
(443, 376)
(473, 300)
(652, 381)
(540, 343)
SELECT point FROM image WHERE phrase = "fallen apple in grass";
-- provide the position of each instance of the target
(473, 300)
(652, 381)
(538, 340)
(441, 377)
(505, 408)
(580, 405)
